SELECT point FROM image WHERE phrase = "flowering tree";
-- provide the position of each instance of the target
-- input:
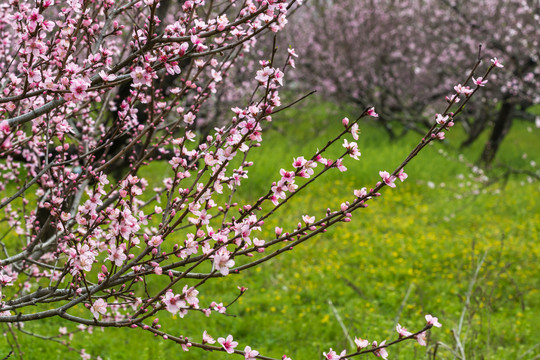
(93, 92)
(403, 56)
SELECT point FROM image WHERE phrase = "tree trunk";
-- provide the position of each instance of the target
(501, 128)
(478, 122)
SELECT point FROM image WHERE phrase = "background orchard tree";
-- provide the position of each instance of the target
(93, 92)
(401, 57)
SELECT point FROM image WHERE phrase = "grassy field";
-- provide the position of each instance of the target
(413, 251)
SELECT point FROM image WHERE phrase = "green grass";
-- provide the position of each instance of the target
(422, 236)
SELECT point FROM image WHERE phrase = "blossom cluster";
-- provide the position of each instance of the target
(89, 103)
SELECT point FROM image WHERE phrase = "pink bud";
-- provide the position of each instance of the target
(345, 121)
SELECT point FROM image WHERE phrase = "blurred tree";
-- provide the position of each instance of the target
(401, 57)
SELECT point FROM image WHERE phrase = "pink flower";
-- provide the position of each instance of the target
(98, 307)
(496, 63)
(279, 191)
(340, 166)
(360, 192)
(35, 18)
(173, 303)
(433, 321)
(222, 22)
(292, 52)
(403, 332)
(36, 47)
(352, 148)
(299, 162)
(141, 77)
(228, 344)
(479, 81)
(250, 354)
(380, 352)
(6, 280)
(219, 307)
(107, 77)
(34, 76)
(264, 74)
(278, 76)
(387, 178)
(117, 255)
(85, 355)
(371, 112)
(452, 99)
(222, 261)
(421, 338)
(332, 355)
(308, 219)
(155, 241)
(207, 339)
(78, 87)
(286, 175)
(441, 120)
(190, 296)
(360, 343)
(216, 75)
(191, 245)
(4, 127)
(402, 175)
(258, 243)
(465, 90)
(355, 131)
